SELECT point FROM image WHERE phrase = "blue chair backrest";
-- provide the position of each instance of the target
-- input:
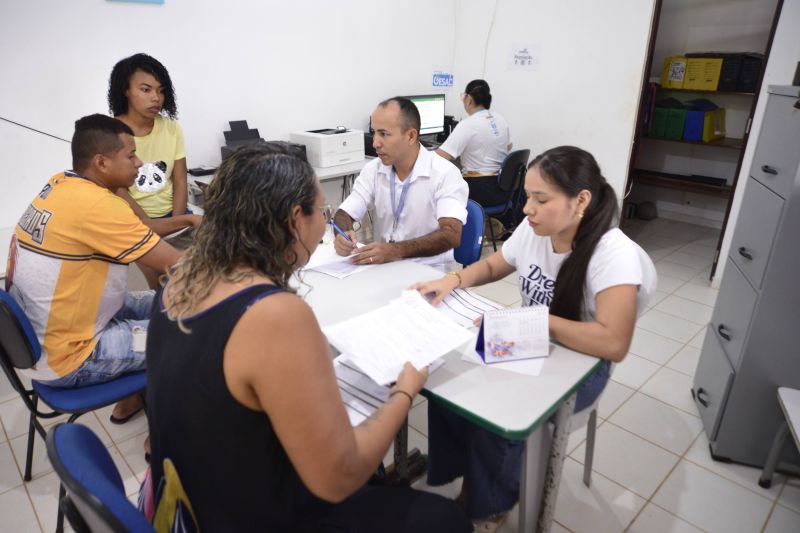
(17, 338)
(92, 481)
(512, 171)
(469, 250)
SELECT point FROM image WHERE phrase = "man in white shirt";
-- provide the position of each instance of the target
(419, 198)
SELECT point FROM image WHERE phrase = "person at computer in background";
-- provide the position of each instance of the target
(260, 403)
(140, 94)
(571, 257)
(69, 259)
(418, 197)
(482, 141)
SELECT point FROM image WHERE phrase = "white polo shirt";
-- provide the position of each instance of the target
(436, 191)
(481, 140)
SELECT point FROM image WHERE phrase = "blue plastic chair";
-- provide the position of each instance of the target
(95, 496)
(512, 174)
(20, 349)
(469, 250)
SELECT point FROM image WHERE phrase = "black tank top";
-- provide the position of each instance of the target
(234, 470)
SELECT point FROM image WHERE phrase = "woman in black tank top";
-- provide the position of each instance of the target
(241, 394)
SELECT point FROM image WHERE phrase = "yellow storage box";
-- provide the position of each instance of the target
(714, 125)
(702, 73)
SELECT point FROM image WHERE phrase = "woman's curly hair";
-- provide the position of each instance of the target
(121, 75)
(247, 227)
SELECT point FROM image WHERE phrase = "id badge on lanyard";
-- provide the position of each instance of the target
(397, 209)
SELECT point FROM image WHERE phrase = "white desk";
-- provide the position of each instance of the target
(345, 172)
(511, 405)
(339, 171)
(323, 173)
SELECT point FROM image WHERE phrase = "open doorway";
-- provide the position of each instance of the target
(679, 189)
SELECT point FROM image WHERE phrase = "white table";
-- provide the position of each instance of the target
(345, 172)
(511, 405)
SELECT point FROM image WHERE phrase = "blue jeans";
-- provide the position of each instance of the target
(114, 354)
(491, 465)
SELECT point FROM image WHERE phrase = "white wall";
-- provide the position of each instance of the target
(586, 90)
(294, 66)
(780, 70)
(281, 66)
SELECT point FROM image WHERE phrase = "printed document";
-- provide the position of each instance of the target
(407, 329)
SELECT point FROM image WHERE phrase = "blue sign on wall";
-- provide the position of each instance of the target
(442, 79)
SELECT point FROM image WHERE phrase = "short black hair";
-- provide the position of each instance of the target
(121, 75)
(409, 114)
(480, 93)
(96, 134)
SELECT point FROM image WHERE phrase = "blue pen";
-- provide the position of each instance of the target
(340, 232)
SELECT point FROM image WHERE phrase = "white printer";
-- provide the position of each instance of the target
(330, 147)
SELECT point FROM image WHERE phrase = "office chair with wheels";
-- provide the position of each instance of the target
(95, 499)
(469, 250)
(510, 179)
(20, 349)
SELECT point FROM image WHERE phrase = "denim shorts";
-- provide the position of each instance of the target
(114, 353)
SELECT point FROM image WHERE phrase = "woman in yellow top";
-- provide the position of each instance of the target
(141, 95)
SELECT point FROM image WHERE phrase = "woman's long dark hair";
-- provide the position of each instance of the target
(572, 170)
(247, 226)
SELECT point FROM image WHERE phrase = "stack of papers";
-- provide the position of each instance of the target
(360, 395)
(465, 307)
(407, 329)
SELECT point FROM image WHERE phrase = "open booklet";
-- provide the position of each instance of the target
(407, 329)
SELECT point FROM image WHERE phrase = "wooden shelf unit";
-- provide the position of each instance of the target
(730, 143)
(644, 177)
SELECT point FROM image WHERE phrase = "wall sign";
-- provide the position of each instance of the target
(523, 56)
(442, 79)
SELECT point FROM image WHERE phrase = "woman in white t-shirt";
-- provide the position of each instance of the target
(570, 256)
(482, 141)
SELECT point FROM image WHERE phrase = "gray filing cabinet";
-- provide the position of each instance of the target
(753, 343)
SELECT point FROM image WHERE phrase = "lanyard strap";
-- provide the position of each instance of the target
(397, 209)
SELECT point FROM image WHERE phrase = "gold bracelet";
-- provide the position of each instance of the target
(458, 276)
(399, 391)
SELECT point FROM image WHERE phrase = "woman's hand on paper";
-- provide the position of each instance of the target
(411, 380)
(437, 290)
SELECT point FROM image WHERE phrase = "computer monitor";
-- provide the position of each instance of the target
(431, 112)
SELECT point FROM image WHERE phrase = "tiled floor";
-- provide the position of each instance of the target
(652, 471)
